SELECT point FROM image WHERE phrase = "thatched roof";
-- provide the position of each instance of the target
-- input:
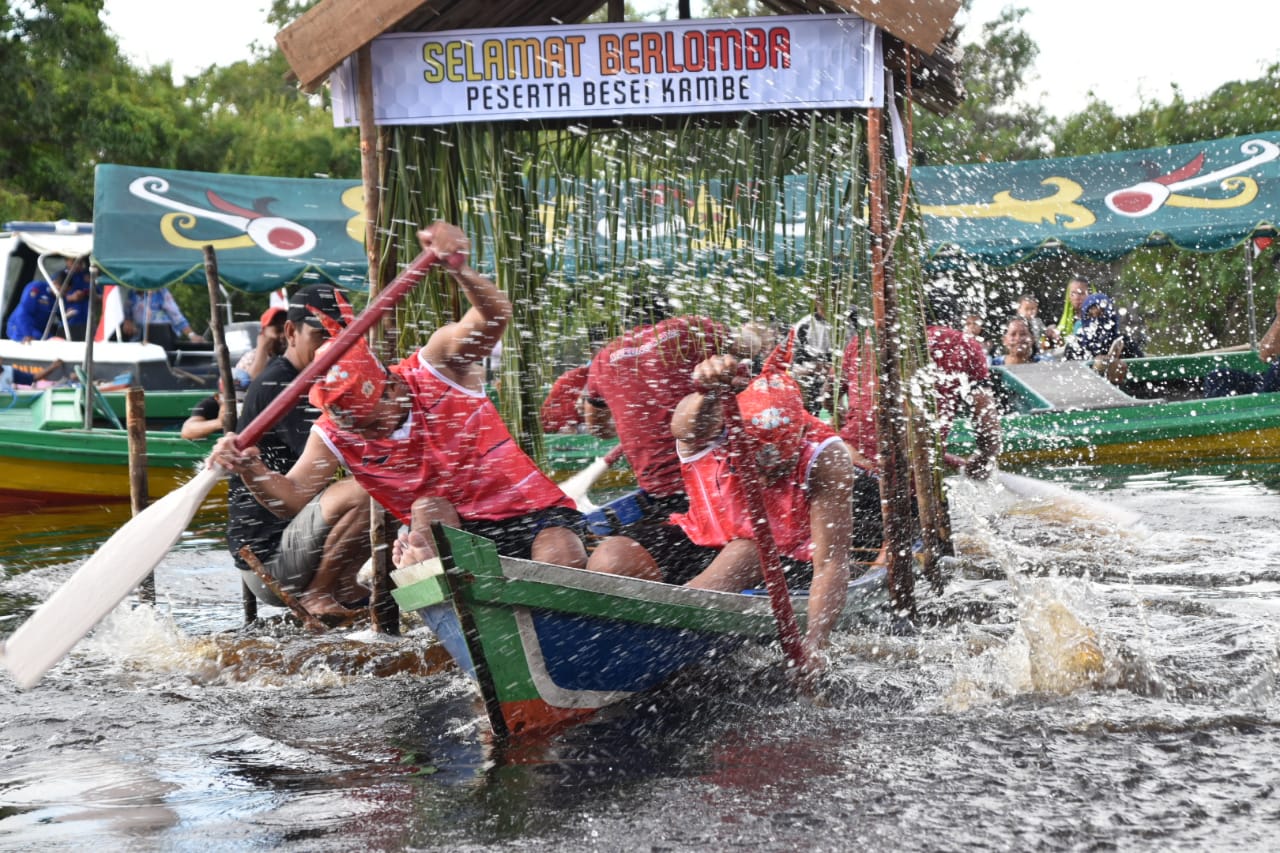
(319, 40)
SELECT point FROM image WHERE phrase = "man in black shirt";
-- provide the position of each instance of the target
(316, 551)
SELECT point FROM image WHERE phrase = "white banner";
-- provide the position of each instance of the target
(803, 62)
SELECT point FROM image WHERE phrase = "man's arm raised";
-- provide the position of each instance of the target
(456, 348)
(699, 417)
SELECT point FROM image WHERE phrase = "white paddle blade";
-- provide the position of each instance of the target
(102, 582)
(1028, 487)
(580, 483)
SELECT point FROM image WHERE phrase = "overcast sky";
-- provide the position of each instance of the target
(1119, 49)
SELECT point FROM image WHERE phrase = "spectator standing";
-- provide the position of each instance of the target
(1073, 307)
(30, 319)
(146, 307)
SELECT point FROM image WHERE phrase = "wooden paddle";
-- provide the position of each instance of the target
(770, 563)
(580, 483)
(136, 549)
(1043, 490)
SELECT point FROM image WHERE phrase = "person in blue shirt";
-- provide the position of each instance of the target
(29, 320)
(149, 307)
(74, 284)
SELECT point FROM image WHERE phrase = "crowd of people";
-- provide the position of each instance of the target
(401, 434)
(1091, 328)
(398, 434)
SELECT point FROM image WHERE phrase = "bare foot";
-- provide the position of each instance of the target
(324, 605)
(411, 547)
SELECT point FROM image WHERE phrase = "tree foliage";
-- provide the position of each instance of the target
(82, 103)
(990, 125)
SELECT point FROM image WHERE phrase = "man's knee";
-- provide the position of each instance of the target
(428, 509)
(621, 555)
(343, 498)
(561, 546)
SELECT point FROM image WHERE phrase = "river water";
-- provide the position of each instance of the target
(1087, 682)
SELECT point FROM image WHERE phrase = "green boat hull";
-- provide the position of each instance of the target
(47, 458)
(1170, 422)
(549, 646)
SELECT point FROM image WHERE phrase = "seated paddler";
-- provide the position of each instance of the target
(424, 439)
(805, 475)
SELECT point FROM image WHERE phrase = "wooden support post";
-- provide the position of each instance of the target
(895, 489)
(88, 345)
(384, 615)
(227, 389)
(136, 428)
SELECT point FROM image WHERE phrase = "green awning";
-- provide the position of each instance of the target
(150, 227)
(1204, 197)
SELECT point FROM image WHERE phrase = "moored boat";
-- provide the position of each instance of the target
(548, 646)
(47, 458)
(1065, 414)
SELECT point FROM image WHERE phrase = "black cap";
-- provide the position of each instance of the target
(313, 296)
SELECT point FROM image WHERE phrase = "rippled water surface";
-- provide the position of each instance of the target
(1088, 681)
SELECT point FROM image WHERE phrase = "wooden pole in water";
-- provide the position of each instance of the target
(895, 493)
(139, 496)
(227, 390)
(88, 346)
(384, 614)
(310, 622)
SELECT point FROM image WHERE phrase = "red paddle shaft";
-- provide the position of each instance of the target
(770, 564)
(382, 303)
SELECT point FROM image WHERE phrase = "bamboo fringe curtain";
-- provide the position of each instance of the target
(592, 228)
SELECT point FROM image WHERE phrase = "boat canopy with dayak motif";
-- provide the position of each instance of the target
(150, 227)
(1202, 196)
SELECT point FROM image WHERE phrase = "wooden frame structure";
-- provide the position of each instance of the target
(918, 52)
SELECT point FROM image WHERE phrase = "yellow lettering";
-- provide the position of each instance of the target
(493, 61)
(524, 59)
(433, 56)
(456, 61)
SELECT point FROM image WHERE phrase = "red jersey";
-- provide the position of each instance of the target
(642, 375)
(957, 356)
(559, 411)
(718, 512)
(453, 445)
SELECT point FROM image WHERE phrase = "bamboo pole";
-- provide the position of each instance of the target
(88, 343)
(310, 622)
(384, 615)
(895, 496)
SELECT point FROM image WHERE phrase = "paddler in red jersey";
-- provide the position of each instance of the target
(634, 386)
(424, 439)
(805, 476)
(959, 377)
